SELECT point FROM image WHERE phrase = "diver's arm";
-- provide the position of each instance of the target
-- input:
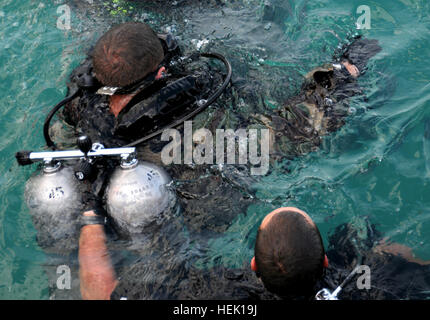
(96, 273)
(397, 249)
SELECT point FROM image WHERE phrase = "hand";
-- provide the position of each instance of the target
(93, 212)
(90, 213)
(352, 69)
(92, 203)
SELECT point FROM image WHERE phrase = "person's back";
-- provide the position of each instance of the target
(395, 273)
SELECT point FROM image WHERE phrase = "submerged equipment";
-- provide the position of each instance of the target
(137, 195)
(137, 192)
(199, 105)
(51, 114)
(54, 202)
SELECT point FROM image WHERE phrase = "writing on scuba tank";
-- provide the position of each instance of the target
(198, 148)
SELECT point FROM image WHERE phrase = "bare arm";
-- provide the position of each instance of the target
(96, 273)
(399, 250)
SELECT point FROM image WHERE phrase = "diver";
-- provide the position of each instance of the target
(322, 103)
(132, 83)
(291, 261)
(135, 83)
(126, 93)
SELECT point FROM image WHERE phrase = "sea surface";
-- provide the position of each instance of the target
(375, 169)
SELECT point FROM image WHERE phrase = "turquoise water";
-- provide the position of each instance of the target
(376, 167)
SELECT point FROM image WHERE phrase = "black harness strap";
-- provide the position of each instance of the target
(158, 106)
(197, 110)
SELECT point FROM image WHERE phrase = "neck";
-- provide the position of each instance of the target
(118, 102)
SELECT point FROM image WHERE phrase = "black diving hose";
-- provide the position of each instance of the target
(210, 100)
(51, 114)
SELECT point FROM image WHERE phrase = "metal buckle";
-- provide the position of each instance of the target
(107, 91)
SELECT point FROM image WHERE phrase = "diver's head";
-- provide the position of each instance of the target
(126, 53)
(289, 253)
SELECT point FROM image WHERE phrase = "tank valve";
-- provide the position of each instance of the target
(84, 144)
(87, 155)
(84, 170)
(128, 160)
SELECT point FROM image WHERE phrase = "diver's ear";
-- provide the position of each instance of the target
(160, 73)
(253, 265)
(325, 261)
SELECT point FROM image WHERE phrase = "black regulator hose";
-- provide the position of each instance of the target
(210, 100)
(51, 113)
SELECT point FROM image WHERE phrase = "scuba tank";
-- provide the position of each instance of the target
(137, 195)
(54, 201)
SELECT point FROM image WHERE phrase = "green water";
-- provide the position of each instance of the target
(376, 167)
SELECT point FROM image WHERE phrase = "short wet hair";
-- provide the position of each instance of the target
(126, 53)
(289, 254)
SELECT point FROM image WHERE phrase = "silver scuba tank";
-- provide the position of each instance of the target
(54, 201)
(138, 194)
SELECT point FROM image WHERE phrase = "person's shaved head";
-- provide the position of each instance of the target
(289, 252)
(126, 53)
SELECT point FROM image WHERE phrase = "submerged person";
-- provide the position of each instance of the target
(322, 104)
(133, 82)
(148, 85)
(291, 261)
